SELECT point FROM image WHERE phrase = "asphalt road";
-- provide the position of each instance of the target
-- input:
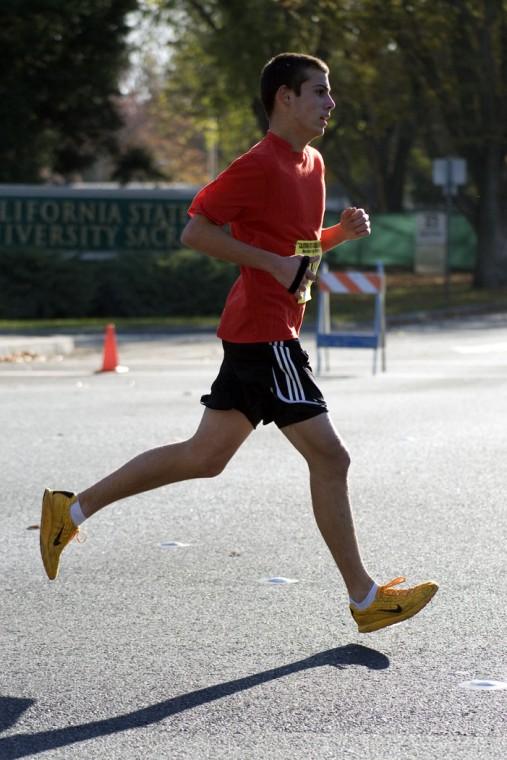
(141, 650)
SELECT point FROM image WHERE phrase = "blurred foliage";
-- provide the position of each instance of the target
(413, 80)
(61, 64)
(221, 45)
(34, 285)
(136, 164)
(456, 52)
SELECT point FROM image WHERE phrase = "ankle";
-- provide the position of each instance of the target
(364, 603)
(360, 590)
(86, 507)
(76, 513)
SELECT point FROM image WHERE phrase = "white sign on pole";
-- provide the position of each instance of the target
(430, 242)
(449, 172)
(430, 228)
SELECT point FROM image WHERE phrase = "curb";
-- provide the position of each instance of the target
(47, 346)
(449, 313)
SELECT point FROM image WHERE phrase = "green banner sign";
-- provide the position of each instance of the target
(75, 221)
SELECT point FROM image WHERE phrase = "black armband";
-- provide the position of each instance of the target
(300, 274)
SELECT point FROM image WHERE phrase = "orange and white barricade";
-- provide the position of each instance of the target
(351, 283)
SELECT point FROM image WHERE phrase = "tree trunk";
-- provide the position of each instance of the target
(491, 266)
(396, 177)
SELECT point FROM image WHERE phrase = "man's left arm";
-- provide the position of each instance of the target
(354, 223)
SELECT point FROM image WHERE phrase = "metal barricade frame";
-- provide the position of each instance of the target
(351, 283)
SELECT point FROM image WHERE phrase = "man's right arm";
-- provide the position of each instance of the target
(207, 237)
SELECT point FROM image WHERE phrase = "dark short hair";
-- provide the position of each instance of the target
(289, 69)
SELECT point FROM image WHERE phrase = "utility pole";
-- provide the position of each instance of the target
(449, 173)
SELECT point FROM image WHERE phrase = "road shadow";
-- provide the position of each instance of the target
(26, 745)
(11, 709)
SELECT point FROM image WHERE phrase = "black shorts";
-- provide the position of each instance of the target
(272, 382)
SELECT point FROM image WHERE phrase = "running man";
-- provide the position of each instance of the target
(272, 201)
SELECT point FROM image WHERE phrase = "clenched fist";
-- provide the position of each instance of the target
(355, 223)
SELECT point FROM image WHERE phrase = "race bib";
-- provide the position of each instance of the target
(309, 248)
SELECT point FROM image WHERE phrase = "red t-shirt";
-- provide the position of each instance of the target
(272, 196)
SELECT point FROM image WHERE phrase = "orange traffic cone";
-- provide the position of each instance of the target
(110, 354)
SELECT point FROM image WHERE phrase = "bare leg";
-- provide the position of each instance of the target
(328, 461)
(205, 455)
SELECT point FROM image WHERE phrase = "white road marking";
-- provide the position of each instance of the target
(481, 348)
(485, 685)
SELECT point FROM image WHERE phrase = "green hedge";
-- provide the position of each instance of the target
(36, 285)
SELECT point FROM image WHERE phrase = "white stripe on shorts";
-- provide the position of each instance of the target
(294, 386)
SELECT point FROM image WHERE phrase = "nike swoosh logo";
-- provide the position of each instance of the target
(57, 541)
(396, 610)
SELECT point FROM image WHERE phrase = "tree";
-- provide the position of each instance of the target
(456, 52)
(221, 45)
(61, 65)
(425, 76)
(165, 145)
(372, 133)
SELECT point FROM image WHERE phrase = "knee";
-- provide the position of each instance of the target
(211, 466)
(332, 462)
(206, 462)
(340, 461)
(343, 461)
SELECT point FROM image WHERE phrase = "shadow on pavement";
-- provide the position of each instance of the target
(11, 709)
(25, 745)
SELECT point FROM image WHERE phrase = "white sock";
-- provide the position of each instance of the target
(76, 513)
(368, 599)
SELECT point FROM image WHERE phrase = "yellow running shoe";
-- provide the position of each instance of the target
(56, 528)
(392, 605)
